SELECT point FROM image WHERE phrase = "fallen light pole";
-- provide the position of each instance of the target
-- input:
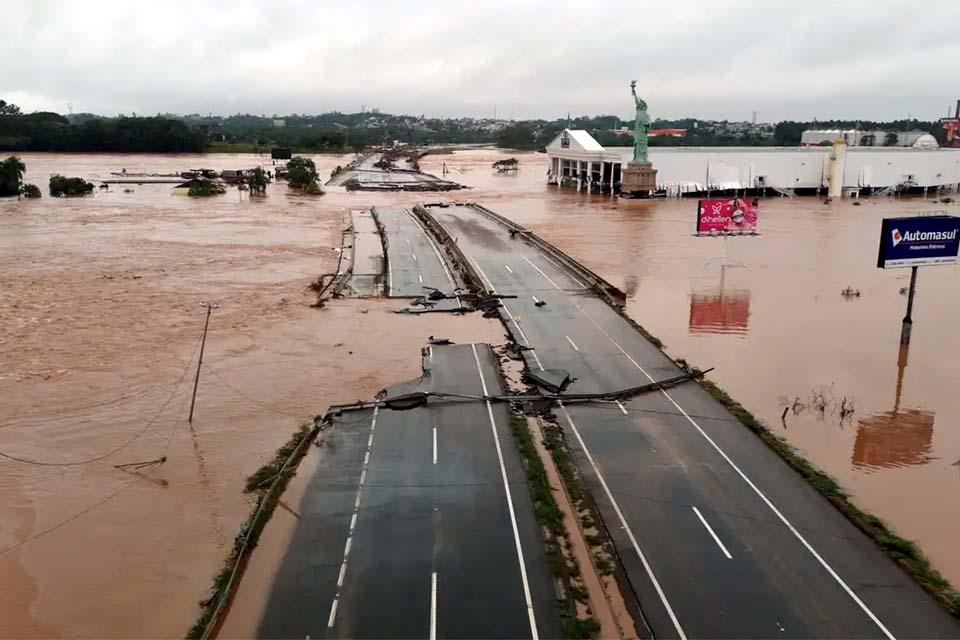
(196, 380)
(927, 240)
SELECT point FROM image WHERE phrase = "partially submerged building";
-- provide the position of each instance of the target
(576, 159)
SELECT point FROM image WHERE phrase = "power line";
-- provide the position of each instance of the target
(128, 442)
(96, 504)
(248, 398)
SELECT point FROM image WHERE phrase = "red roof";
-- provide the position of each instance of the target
(667, 132)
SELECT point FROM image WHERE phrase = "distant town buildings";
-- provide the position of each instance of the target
(857, 138)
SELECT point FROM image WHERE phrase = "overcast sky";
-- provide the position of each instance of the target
(793, 59)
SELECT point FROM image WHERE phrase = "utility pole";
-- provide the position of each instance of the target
(196, 381)
(907, 327)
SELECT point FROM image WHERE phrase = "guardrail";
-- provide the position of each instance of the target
(255, 525)
(606, 290)
(459, 261)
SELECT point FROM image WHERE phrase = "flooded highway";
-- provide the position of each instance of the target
(780, 333)
(100, 317)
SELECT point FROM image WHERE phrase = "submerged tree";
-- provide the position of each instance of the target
(302, 175)
(507, 164)
(202, 187)
(11, 173)
(258, 181)
(30, 191)
(63, 186)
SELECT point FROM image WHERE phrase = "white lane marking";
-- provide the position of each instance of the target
(389, 274)
(420, 278)
(430, 352)
(622, 408)
(434, 445)
(750, 483)
(626, 527)
(572, 343)
(353, 522)
(433, 606)
(564, 269)
(535, 299)
(506, 489)
(408, 240)
(509, 270)
(436, 250)
(540, 271)
(710, 530)
(414, 256)
(510, 316)
(333, 614)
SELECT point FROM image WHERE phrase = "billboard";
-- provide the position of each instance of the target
(727, 215)
(917, 242)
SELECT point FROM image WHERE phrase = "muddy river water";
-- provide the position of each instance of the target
(100, 321)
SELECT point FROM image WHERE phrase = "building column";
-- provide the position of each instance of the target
(579, 175)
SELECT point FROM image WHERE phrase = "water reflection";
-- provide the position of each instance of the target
(896, 438)
(720, 312)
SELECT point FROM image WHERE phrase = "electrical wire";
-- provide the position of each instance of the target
(125, 444)
(96, 504)
(248, 398)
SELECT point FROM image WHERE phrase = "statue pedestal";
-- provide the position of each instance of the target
(639, 180)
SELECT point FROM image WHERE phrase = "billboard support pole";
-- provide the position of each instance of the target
(908, 319)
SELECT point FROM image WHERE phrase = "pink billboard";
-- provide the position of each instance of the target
(727, 215)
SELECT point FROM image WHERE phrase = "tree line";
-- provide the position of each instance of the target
(336, 132)
(45, 131)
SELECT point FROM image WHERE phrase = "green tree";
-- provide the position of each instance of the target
(11, 173)
(62, 186)
(302, 175)
(890, 140)
(516, 136)
(868, 140)
(30, 191)
(258, 181)
(8, 108)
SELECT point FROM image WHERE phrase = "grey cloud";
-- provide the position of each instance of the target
(715, 59)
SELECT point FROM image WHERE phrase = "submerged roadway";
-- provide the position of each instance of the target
(718, 536)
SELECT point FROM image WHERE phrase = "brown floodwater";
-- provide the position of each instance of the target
(100, 319)
(772, 320)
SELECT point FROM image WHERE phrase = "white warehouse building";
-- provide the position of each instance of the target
(577, 159)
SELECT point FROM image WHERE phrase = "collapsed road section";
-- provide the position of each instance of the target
(389, 171)
(719, 537)
(418, 523)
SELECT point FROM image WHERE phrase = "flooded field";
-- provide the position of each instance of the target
(100, 322)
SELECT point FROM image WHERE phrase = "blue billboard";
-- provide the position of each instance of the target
(917, 242)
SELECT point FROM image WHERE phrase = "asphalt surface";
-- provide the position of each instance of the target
(414, 264)
(370, 176)
(718, 536)
(367, 255)
(403, 538)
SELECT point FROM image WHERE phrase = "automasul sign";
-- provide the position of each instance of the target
(917, 242)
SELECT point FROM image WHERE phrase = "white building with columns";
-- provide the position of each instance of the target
(577, 160)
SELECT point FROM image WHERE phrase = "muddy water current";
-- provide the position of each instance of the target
(100, 319)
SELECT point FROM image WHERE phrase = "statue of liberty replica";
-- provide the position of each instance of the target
(639, 177)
